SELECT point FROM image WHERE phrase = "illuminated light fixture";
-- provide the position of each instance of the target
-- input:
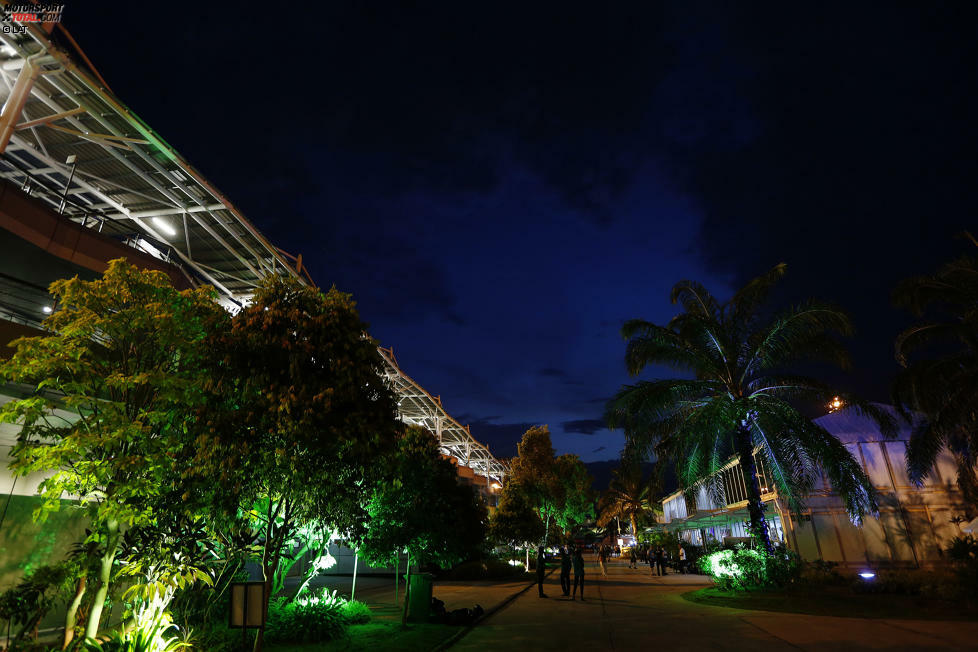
(164, 226)
(495, 485)
(835, 404)
(47, 310)
(867, 575)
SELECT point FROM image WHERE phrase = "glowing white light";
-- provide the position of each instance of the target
(164, 226)
(867, 575)
(47, 310)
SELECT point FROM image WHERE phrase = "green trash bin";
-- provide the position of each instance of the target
(419, 597)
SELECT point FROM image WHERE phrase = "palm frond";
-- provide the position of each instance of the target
(695, 299)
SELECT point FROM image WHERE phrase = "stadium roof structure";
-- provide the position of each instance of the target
(418, 407)
(69, 142)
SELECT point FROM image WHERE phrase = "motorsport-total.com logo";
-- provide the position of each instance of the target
(16, 16)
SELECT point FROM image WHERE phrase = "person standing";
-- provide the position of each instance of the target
(565, 569)
(603, 560)
(541, 570)
(578, 574)
(632, 559)
(682, 559)
(660, 561)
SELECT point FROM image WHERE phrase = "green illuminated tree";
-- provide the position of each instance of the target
(558, 488)
(940, 370)
(302, 417)
(575, 502)
(515, 521)
(423, 508)
(114, 384)
(739, 398)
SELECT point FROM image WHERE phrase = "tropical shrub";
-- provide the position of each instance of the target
(157, 635)
(963, 553)
(356, 612)
(24, 605)
(743, 569)
(317, 617)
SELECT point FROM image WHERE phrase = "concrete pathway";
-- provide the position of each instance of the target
(629, 610)
(378, 592)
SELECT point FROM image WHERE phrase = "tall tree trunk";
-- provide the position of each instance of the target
(631, 517)
(397, 570)
(407, 591)
(71, 616)
(745, 451)
(104, 577)
(271, 554)
(356, 562)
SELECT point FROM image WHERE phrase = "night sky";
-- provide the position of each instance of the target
(501, 186)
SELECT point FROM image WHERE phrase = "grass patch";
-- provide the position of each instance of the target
(837, 601)
(378, 636)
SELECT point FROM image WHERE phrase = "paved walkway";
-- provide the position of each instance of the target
(378, 592)
(629, 610)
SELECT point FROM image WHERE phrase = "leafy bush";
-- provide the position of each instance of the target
(743, 569)
(317, 617)
(27, 603)
(147, 637)
(963, 553)
(822, 573)
(356, 612)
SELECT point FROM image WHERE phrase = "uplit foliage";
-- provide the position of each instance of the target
(125, 357)
(423, 508)
(940, 370)
(515, 522)
(744, 569)
(576, 503)
(739, 397)
(301, 418)
(312, 618)
(558, 488)
(154, 635)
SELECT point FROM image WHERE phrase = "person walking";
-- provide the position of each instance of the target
(682, 559)
(578, 574)
(632, 558)
(565, 569)
(603, 560)
(541, 570)
(660, 561)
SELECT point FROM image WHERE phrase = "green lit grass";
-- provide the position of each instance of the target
(379, 636)
(836, 601)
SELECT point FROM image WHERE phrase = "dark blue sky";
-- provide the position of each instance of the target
(501, 186)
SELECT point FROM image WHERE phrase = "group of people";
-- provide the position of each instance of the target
(656, 558)
(569, 558)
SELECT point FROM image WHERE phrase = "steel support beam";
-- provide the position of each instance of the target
(14, 105)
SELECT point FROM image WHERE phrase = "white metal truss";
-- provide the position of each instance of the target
(68, 141)
(75, 146)
(416, 406)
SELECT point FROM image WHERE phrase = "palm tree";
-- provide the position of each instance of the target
(737, 399)
(627, 497)
(940, 370)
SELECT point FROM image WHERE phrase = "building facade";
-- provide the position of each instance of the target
(914, 526)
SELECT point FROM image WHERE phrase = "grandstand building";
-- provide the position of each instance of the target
(84, 180)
